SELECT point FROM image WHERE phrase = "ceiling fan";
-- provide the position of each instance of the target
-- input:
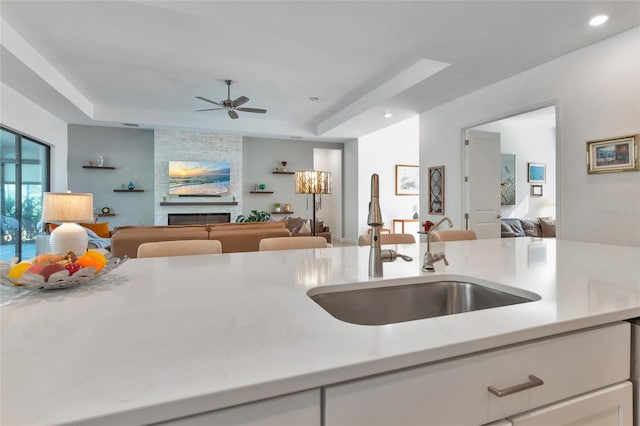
(231, 106)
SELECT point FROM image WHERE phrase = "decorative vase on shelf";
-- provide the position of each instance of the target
(100, 161)
(131, 186)
(416, 215)
(284, 166)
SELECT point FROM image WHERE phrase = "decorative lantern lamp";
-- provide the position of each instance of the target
(313, 182)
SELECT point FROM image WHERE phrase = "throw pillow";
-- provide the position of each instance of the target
(511, 227)
(294, 224)
(531, 227)
(306, 227)
(101, 229)
(548, 226)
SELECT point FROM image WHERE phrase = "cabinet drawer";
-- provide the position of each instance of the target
(300, 409)
(456, 392)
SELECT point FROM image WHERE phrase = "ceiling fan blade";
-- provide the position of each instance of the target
(207, 100)
(240, 101)
(208, 109)
(256, 110)
(233, 114)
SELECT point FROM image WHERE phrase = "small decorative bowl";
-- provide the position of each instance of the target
(59, 280)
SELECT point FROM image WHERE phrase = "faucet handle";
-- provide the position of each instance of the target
(389, 255)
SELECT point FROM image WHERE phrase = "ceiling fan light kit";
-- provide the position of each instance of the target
(231, 106)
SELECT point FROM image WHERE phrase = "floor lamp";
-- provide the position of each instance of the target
(313, 182)
(68, 208)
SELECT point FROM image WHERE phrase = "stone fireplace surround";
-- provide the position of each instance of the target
(194, 145)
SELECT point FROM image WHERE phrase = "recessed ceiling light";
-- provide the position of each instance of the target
(388, 115)
(598, 20)
(314, 99)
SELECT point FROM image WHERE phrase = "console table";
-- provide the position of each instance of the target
(402, 223)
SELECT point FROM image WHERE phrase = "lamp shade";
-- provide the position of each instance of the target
(67, 207)
(313, 182)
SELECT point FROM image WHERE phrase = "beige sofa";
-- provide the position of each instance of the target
(234, 237)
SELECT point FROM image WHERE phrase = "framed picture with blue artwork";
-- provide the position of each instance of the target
(537, 172)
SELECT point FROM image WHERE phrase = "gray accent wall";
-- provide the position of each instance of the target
(262, 157)
(143, 156)
(130, 151)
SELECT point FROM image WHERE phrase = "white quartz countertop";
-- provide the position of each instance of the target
(168, 337)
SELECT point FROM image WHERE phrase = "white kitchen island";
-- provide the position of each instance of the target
(164, 338)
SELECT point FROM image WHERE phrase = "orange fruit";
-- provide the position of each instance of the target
(97, 256)
(90, 261)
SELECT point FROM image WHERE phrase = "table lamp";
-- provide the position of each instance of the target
(313, 182)
(68, 208)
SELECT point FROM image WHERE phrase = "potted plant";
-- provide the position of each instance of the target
(255, 216)
(277, 206)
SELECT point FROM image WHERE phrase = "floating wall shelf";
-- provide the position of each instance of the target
(261, 192)
(199, 203)
(128, 190)
(105, 214)
(282, 212)
(98, 167)
(284, 173)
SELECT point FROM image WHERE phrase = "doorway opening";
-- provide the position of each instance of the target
(510, 170)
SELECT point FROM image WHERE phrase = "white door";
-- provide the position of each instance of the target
(610, 406)
(483, 186)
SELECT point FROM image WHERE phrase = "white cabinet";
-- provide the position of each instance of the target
(611, 406)
(300, 409)
(456, 392)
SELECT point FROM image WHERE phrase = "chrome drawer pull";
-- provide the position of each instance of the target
(532, 383)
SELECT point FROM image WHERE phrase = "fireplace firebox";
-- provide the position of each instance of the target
(198, 218)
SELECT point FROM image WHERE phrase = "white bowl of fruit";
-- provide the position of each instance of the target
(49, 271)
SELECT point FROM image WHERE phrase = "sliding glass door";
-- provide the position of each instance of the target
(24, 178)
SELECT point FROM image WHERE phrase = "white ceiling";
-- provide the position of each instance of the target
(109, 62)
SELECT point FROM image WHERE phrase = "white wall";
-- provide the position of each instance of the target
(530, 144)
(20, 114)
(350, 180)
(379, 152)
(597, 94)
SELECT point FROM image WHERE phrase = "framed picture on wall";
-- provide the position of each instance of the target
(436, 190)
(536, 172)
(536, 190)
(508, 180)
(619, 154)
(407, 180)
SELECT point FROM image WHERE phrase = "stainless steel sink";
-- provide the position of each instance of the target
(399, 303)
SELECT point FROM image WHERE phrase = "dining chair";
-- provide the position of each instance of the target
(179, 248)
(365, 240)
(453, 235)
(288, 243)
